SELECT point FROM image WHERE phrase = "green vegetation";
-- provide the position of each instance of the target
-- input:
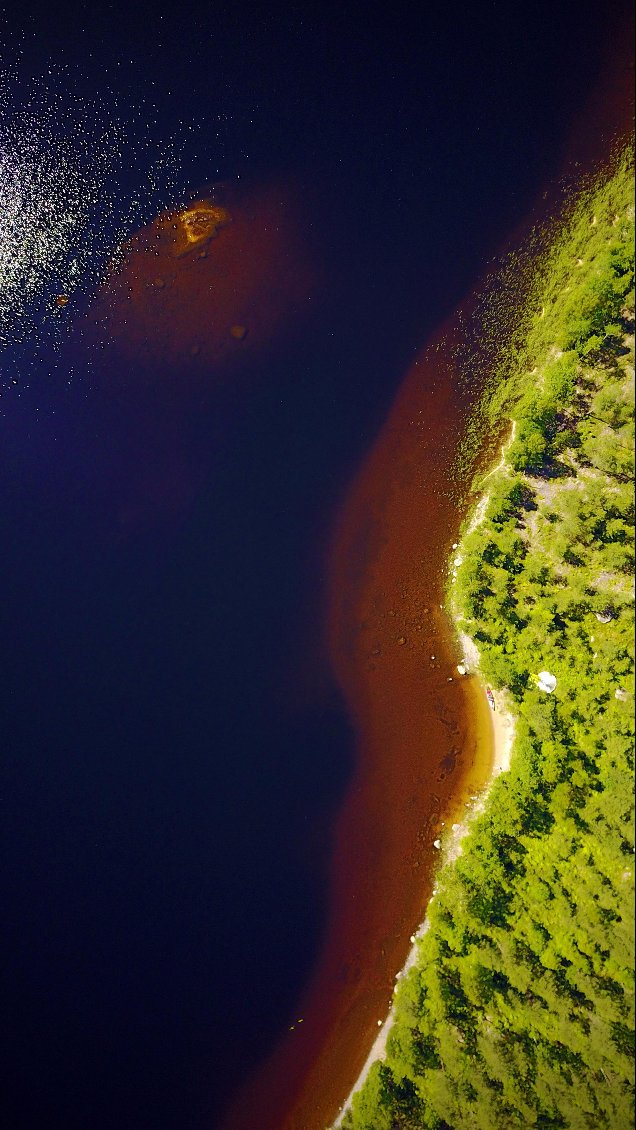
(519, 1012)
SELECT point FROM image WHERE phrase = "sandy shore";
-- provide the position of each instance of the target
(503, 725)
(503, 733)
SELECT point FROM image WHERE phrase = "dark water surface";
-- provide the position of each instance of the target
(175, 746)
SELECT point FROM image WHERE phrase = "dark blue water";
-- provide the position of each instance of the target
(173, 746)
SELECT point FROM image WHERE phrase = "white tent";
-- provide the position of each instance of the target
(546, 682)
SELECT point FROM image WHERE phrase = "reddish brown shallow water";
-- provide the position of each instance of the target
(180, 325)
(389, 643)
(421, 742)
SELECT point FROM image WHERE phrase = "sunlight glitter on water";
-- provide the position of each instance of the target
(62, 208)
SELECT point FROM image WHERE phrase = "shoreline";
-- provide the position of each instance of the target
(502, 739)
(502, 734)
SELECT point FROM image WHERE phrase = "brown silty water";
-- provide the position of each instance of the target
(422, 745)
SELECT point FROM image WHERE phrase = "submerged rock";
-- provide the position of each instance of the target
(198, 224)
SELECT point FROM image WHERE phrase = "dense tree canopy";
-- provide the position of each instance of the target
(519, 1012)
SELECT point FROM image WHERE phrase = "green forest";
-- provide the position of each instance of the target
(519, 1011)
